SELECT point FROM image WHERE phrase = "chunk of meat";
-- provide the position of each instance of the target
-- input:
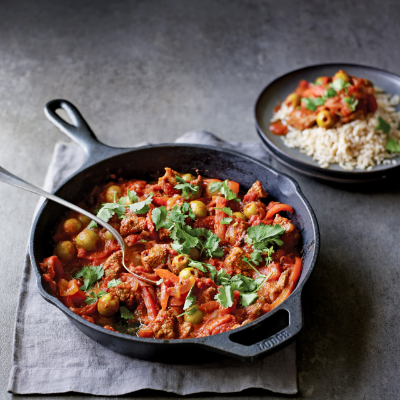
(113, 265)
(302, 119)
(185, 329)
(156, 256)
(163, 233)
(163, 325)
(271, 290)
(132, 224)
(168, 181)
(291, 236)
(207, 295)
(255, 193)
(235, 233)
(235, 260)
(176, 200)
(126, 292)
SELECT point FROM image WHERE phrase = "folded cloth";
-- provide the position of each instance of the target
(51, 356)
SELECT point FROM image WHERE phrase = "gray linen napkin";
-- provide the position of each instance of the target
(52, 356)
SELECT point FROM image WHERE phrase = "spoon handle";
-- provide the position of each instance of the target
(8, 177)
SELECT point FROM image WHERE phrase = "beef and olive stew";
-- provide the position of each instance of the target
(219, 258)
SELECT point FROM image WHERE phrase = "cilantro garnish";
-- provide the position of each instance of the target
(107, 210)
(224, 189)
(113, 283)
(190, 299)
(211, 245)
(225, 221)
(142, 207)
(125, 313)
(392, 145)
(313, 103)
(225, 296)
(382, 126)
(352, 102)
(226, 210)
(330, 92)
(247, 299)
(188, 190)
(261, 236)
(339, 84)
(132, 195)
(222, 278)
(93, 297)
(89, 276)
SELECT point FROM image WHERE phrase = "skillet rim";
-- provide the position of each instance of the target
(300, 165)
(115, 152)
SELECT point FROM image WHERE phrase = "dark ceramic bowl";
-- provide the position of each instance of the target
(257, 339)
(281, 87)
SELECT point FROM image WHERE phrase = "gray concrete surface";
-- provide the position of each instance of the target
(152, 70)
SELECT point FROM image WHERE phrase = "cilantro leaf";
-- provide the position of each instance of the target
(392, 145)
(226, 210)
(187, 209)
(256, 257)
(339, 84)
(132, 195)
(125, 313)
(101, 293)
(113, 283)
(142, 207)
(352, 102)
(211, 245)
(89, 276)
(91, 299)
(225, 296)
(222, 277)
(198, 265)
(188, 190)
(158, 216)
(382, 126)
(225, 221)
(227, 192)
(107, 210)
(313, 103)
(247, 299)
(215, 187)
(261, 235)
(190, 299)
(330, 92)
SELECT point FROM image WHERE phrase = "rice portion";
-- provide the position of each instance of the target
(355, 145)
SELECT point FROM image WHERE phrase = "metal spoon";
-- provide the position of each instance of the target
(13, 180)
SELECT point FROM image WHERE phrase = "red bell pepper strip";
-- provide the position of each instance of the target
(295, 275)
(111, 246)
(220, 229)
(160, 201)
(165, 274)
(277, 208)
(284, 295)
(209, 306)
(275, 268)
(218, 322)
(164, 297)
(149, 302)
(87, 310)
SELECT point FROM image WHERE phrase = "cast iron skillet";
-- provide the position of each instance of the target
(281, 87)
(248, 343)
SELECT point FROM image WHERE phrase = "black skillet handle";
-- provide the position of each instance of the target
(80, 132)
(223, 344)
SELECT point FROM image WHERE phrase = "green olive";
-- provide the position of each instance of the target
(250, 209)
(188, 177)
(240, 215)
(65, 251)
(215, 192)
(110, 193)
(72, 226)
(342, 75)
(180, 262)
(84, 219)
(108, 305)
(293, 100)
(196, 317)
(325, 119)
(109, 236)
(188, 274)
(194, 254)
(87, 239)
(199, 208)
